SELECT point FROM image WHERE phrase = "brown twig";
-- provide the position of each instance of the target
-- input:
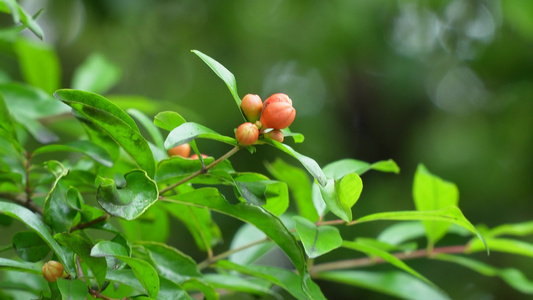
(89, 224)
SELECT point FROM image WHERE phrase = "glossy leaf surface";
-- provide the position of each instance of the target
(317, 240)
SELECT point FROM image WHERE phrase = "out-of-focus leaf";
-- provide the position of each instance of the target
(343, 167)
(20, 15)
(503, 245)
(224, 74)
(72, 289)
(149, 126)
(131, 201)
(97, 74)
(88, 148)
(110, 119)
(298, 184)
(511, 276)
(8, 264)
(432, 193)
(237, 283)
(198, 221)
(309, 164)
(517, 229)
(373, 251)
(144, 272)
(317, 240)
(6, 122)
(34, 222)
(393, 283)
(29, 246)
(247, 234)
(265, 221)
(152, 225)
(401, 232)
(187, 132)
(39, 64)
(283, 278)
(168, 120)
(82, 247)
(171, 263)
(450, 214)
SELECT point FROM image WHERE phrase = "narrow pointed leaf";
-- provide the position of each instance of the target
(223, 73)
(343, 167)
(309, 164)
(450, 214)
(9, 264)
(317, 240)
(131, 201)
(503, 245)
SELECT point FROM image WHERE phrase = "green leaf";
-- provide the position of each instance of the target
(298, 137)
(393, 283)
(13, 8)
(34, 222)
(39, 64)
(177, 168)
(110, 119)
(224, 74)
(131, 201)
(265, 221)
(152, 225)
(299, 185)
(97, 74)
(432, 193)
(198, 221)
(29, 246)
(257, 189)
(20, 15)
(373, 251)
(401, 232)
(450, 214)
(237, 283)
(57, 212)
(72, 289)
(309, 164)
(8, 264)
(518, 229)
(169, 290)
(171, 263)
(82, 247)
(340, 195)
(149, 126)
(189, 131)
(343, 167)
(245, 235)
(283, 278)
(317, 240)
(168, 120)
(143, 271)
(511, 276)
(503, 245)
(88, 148)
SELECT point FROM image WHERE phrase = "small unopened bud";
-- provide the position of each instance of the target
(275, 135)
(53, 270)
(247, 134)
(251, 106)
(182, 150)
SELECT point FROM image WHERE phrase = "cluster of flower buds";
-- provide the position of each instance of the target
(275, 113)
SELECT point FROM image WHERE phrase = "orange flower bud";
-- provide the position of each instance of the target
(195, 156)
(275, 134)
(53, 270)
(278, 112)
(182, 150)
(247, 134)
(251, 107)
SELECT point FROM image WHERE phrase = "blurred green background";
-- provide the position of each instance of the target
(445, 83)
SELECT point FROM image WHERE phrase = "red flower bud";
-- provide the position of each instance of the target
(251, 107)
(53, 270)
(182, 150)
(278, 112)
(275, 134)
(247, 134)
